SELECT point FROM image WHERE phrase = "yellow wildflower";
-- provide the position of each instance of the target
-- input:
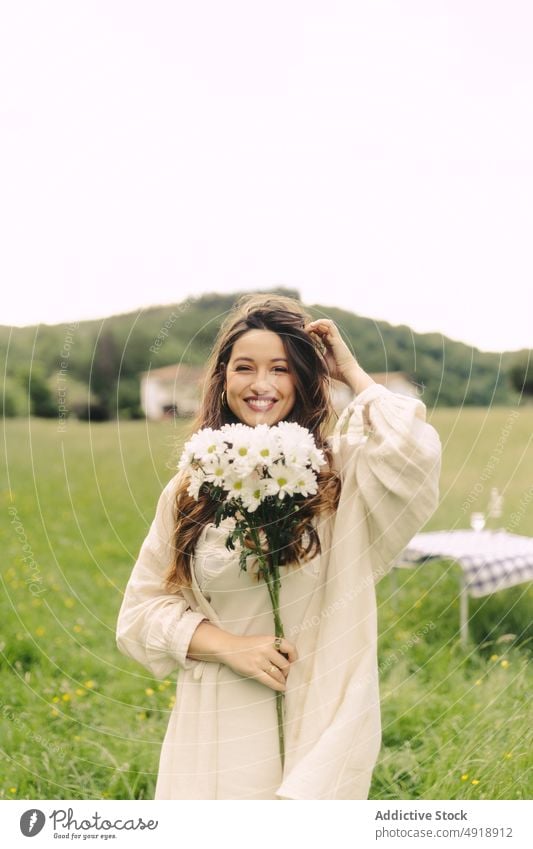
(77, 629)
(475, 781)
(149, 691)
(478, 681)
(494, 656)
(80, 692)
(89, 684)
(56, 699)
(66, 697)
(508, 754)
(12, 789)
(54, 712)
(40, 631)
(464, 776)
(504, 663)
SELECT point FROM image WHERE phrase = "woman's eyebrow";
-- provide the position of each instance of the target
(251, 359)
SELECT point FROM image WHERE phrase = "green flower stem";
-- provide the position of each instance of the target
(270, 572)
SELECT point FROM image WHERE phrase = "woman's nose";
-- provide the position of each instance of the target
(260, 383)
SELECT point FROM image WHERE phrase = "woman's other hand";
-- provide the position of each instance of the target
(257, 657)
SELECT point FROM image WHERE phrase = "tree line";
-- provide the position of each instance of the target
(93, 367)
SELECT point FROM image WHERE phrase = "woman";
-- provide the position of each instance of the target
(187, 605)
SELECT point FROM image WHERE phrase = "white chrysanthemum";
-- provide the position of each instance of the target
(294, 431)
(251, 489)
(235, 485)
(306, 482)
(197, 478)
(209, 461)
(317, 459)
(236, 432)
(187, 456)
(255, 448)
(268, 485)
(216, 469)
(251, 496)
(243, 452)
(285, 480)
(207, 441)
(297, 444)
(203, 443)
(267, 444)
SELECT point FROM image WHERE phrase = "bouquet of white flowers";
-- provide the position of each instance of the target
(258, 475)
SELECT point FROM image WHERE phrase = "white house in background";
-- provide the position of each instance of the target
(177, 390)
(171, 391)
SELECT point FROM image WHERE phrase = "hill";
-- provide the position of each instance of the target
(100, 353)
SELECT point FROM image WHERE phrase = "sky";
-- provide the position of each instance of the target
(376, 156)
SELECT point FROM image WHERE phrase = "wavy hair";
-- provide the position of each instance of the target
(312, 409)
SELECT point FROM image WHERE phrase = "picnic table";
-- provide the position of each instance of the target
(490, 560)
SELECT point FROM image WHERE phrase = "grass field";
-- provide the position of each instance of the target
(80, 721)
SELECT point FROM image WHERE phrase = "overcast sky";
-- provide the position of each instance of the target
(375, 155)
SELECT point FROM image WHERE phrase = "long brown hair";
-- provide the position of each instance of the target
(312, 409)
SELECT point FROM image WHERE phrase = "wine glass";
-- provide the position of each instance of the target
(477, 521)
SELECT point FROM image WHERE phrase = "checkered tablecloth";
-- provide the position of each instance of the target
(491, 560)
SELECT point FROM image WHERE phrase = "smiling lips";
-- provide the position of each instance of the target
(260, 404)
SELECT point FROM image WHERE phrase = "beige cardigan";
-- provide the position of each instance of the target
(390, 488)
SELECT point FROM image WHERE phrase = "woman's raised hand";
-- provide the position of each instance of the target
(340, 360)
(256, 657)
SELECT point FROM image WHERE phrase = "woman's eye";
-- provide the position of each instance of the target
(246, 368)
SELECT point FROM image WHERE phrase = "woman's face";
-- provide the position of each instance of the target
(259, 386)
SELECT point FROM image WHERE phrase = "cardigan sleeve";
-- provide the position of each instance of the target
(155, 627)
(393, 455)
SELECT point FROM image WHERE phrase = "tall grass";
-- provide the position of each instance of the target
(80, 721)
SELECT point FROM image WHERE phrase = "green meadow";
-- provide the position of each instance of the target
(81, 721)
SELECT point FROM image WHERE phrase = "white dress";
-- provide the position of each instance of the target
(248, 758)
(222, 738)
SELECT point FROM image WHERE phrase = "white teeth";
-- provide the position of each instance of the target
(259, 403)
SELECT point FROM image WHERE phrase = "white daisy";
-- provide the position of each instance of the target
(251, 497)
(267, 445)
(203, 443)
(306, 482)
(285, 480)
(234, 485)
(196, 479)
(296, 443)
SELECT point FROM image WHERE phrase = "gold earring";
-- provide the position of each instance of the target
(222, 398)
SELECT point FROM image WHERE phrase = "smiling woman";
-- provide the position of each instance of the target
(189, 606)
(268, 365)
